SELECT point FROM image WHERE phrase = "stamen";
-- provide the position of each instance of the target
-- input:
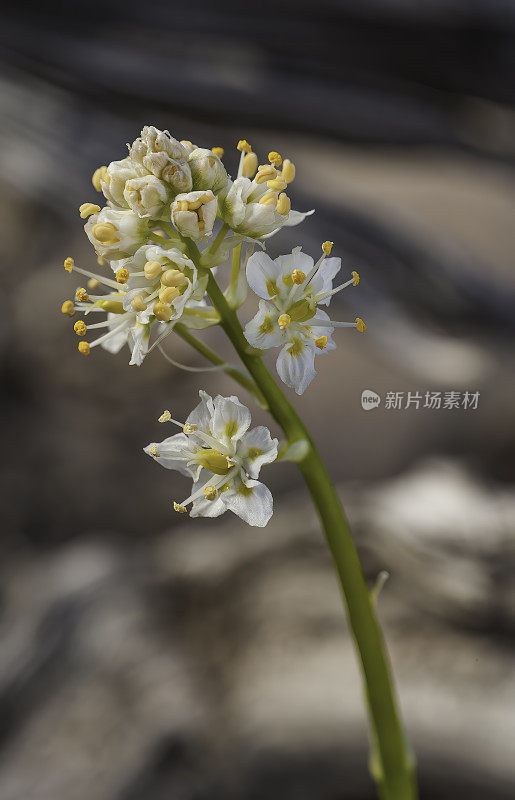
(218, 151)
(327, 247)
(154, 451)
(356, 277)
(210, 492)
(138, 304)
(162, 312)
(360, 325)
(168, 294)
(339, 288)
(69, 267)
(122, 276)
(277, 184)
(180, 509)
(152, 269)
(275, 158)
(283, 206)
(298, 276)
(188, 428)
(86, 209)
(68, 264)
(266, 172)
(83, 347)
(93, 284)
(284, 321)
(321, 342)
(82, 295)
(105, 233)
(68, 308)
(249, 165)
(173, 277)
(243, 146)
(80, 327)
(99, 175)
(165, 417)
(288, 170)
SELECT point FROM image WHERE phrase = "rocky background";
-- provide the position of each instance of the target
(148, 657)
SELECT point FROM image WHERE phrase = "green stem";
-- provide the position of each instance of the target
(244, 380)
(218, 239)
(392, 764)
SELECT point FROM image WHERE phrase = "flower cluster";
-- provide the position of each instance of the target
(172, 217)
(223, 457)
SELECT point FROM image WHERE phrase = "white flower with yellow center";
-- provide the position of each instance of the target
(194, 214)
(292, 288)
(223, 457)
(256, 203)
(147, 196)
(115, 233)
(150, 290)
(111, 180)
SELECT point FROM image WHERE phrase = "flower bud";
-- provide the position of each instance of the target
(147, 196)
(162, 155)
(114, 178)
(116, 234)
(207, 171)
(193, 214)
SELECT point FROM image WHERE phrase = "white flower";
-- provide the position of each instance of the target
(115, 176)
(163, 156)
(147, 196)
(193, 214)
(116, 234)
(292, 287)
(253, 210)
(151, 291)
(223, 457)
(207, 170)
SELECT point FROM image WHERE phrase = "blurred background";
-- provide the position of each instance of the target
(146, 656)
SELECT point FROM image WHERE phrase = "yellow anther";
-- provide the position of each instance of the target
(218, 151)
(188, 428)
(162, 312)
(210, 492)
(83, 347)
(165, 417)
(138, 303)
(86, 209)
(82, 295)
(99, 175)
(154, 451)
(152, 269)
(275, 158)
(80, 327)
(105, 233)
(122, 275)
(268, 199)
(298, 276)
(243, 146)
(327, 247)
(173, 277)
(68, 308)
(93, 284)
(288, 170)
(249, 167)
(68, 264)
(355, 275)
(277, 184)
(168, 294)
(284, 321)
(101, 260)
(283, 204)
(321, 342)
(360, 325)
(266, 172)
(180, 509)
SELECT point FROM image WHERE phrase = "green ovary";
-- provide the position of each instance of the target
(214, 461)
(302, 310)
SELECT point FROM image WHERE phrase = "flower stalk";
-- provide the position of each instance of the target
(392, 764)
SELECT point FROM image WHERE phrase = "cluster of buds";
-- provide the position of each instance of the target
(256, 203)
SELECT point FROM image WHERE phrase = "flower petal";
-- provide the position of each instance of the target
(231, 419)
(296, 364)
(262, 275)
(257, 448)
(172, 453)
(251, 501)
(263, 331)
(323, 280)
(202, 414)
